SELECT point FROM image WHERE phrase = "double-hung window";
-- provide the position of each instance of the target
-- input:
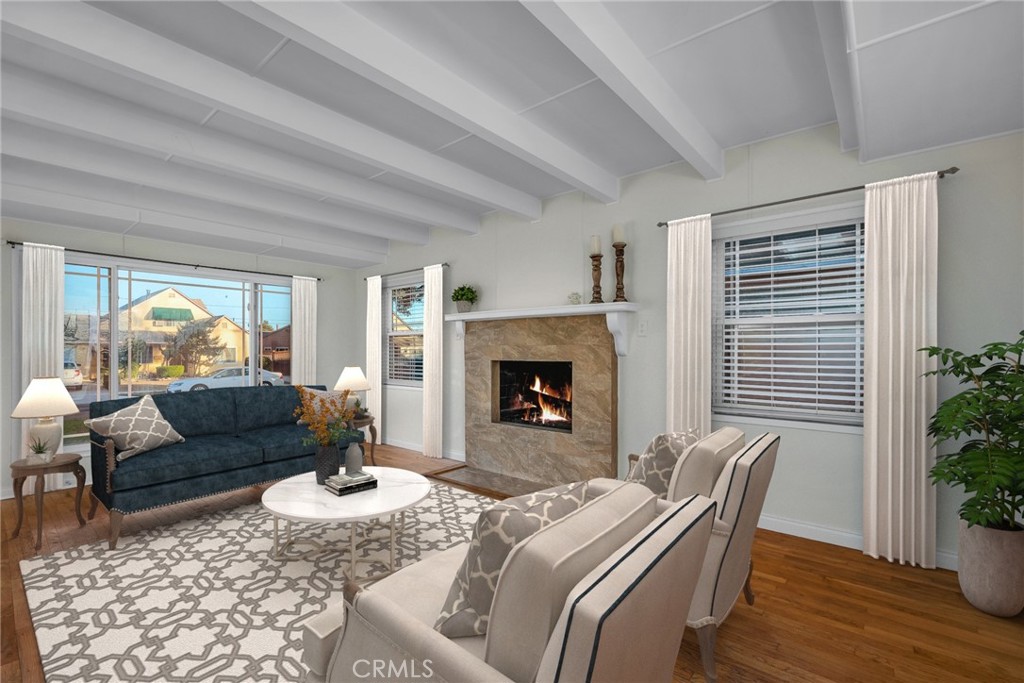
(788, 324)
(403, 334)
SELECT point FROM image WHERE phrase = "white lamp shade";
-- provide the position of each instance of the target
(45, 397)
(352, 379)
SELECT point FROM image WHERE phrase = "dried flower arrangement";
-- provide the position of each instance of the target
(326, 415)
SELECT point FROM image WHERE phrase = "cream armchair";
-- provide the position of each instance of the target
(740, 486)
(568, 606)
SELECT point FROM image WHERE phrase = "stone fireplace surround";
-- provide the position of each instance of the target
(538, 455)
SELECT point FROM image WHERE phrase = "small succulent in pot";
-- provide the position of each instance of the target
(464, 297)
(40, 450)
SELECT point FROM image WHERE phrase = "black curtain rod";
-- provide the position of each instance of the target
(169, 263)
(403, 272)
(942, 174)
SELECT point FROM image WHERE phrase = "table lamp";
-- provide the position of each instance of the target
(45, 398)
(352, 379)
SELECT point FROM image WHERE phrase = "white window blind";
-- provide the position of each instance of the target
(403, 321)
(788, 325)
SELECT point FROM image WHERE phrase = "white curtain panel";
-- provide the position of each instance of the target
(42, 324)
(374, 345)
(433, 360)
(303, 330)
(688, 322)
(900, 245)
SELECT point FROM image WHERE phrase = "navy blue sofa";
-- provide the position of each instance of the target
(234, 438)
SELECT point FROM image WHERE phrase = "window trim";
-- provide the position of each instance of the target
(793, 221)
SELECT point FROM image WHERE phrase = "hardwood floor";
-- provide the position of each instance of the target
(822, 613)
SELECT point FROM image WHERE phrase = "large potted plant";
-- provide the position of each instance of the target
(986, 420)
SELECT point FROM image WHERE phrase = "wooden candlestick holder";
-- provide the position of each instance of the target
(620, 270)
(595, 271)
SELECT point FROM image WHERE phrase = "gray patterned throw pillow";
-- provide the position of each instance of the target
(136, 429)
(654, 468)
(498, 530)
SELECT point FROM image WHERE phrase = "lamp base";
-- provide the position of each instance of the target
(49, 432)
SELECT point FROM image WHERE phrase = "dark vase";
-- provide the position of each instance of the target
(326, 462)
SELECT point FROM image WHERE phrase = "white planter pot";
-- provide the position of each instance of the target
(463, 306)
(991, 569)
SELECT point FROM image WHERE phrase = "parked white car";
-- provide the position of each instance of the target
(228, 377)
(72, 375)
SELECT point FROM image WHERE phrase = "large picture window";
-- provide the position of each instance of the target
(403, 334)
(170, 332)
(788, 324)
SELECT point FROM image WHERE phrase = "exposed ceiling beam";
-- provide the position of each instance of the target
(590, 31)
(342, 35)
(64, 151)
(35, 98)
(853, 68)
(103, 40)
(27, 173)
(39, 205)
(832, 32)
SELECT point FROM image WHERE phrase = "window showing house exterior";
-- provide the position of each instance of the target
(170, 333)
(788, 324)
(403, 334)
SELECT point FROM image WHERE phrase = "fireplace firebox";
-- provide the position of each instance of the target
(533, 394)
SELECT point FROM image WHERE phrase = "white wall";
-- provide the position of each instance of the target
(340, 316)
(816, 491)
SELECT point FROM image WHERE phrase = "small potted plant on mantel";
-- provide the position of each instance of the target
(464, 297)
(987, 421)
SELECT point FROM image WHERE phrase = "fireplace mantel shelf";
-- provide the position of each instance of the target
(616, 316)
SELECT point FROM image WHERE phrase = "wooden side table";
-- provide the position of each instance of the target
(359, 423)
(62, 462)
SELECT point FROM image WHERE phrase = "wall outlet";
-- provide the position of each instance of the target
(641, 329)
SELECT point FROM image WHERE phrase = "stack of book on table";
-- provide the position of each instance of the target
(344, 484)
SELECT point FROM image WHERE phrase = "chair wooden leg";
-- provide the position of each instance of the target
(748, 592)
(94, 503)
(115, 527)
(706, 638)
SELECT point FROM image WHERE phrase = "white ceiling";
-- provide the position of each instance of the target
(323, 130)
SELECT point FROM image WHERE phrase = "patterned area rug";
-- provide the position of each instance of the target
(201, 599)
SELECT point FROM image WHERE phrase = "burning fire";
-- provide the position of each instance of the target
(550, 412)
(544, 402)
(545, 389)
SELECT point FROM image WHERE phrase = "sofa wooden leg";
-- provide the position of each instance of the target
(706, 637)
(94, 503)
(748, 592)
(115, 527)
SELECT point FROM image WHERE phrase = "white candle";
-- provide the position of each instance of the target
(618, 234)
(595, 245)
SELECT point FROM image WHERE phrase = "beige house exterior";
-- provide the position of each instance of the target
(155, 315)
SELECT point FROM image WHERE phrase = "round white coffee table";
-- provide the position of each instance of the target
(301, 499)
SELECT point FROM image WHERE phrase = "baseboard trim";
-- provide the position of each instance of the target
(846, 539)
(407, 445)
(815, 532)
(947, 560)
